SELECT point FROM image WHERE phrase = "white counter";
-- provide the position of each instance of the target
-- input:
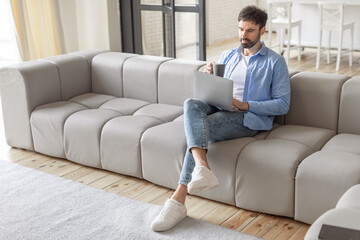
(307, 11)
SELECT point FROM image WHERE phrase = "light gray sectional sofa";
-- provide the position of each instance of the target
(123, 112)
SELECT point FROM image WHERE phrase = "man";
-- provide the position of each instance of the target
(261, 91)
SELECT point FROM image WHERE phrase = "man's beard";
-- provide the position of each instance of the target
(249, 43)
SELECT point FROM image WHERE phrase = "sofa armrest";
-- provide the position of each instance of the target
(23, 87)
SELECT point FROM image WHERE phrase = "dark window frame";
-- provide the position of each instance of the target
(131, 32)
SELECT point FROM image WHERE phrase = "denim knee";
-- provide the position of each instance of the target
(190, 103)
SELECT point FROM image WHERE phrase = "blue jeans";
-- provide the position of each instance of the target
(205, 123)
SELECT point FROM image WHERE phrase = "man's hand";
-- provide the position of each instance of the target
(209, 68)
(238, 105)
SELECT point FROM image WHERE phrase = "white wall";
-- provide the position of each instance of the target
(221, 19)
(263, 4)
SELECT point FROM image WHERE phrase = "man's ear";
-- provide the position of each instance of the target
(262, 31)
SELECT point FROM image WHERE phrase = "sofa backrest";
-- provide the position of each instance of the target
(88, 54)
(148, 78)
(315, 99)
(176, 80)
(349, 112)
(140, 77)
(107, 73)
(74, 73)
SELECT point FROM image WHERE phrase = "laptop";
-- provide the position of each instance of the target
(214, 90)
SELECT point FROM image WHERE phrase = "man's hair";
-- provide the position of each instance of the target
(253, 14)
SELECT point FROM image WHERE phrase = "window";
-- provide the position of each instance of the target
(171, 28)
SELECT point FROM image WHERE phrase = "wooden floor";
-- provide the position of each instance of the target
(253, 223)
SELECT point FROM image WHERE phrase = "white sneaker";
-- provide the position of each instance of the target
(172, 213)
(202, 179)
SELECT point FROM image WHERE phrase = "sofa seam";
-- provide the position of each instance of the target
(237, 163)
(158, 77)
(140, 146)
(63, 128)
(101, 135)
(122, 75)
(339, 104)
(115, 110)
(59, 75)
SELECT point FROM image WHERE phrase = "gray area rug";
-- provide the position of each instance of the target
(37, 205)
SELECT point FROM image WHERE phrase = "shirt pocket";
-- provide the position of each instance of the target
(260, 84)
(262, 77)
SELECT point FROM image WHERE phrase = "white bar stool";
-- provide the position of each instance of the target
(280, 19)
(331, 18)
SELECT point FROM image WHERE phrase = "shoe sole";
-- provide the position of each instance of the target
(207, 188)
(167, 228)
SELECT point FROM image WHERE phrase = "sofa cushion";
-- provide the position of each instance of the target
(140, 77)
(261, 135)
(163, 150)
(344, 142)
(180, 118)
(349, 113)
(315, 99)
(47, 126)
(265, 175)
(74, 72)
(92, 100)
(321, 179)
(314, 138)
(82, 135)
(292, 72)
(162, 112)
(120, 144)
(107, 73)
(176, 80)
(222, 158)
(89, 54)
(125, 106)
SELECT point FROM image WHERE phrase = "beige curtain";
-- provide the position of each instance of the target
(38, 28)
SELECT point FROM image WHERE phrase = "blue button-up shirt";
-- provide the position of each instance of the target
(267, 85)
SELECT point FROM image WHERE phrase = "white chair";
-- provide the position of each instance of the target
(280, 19)
(332, 19)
